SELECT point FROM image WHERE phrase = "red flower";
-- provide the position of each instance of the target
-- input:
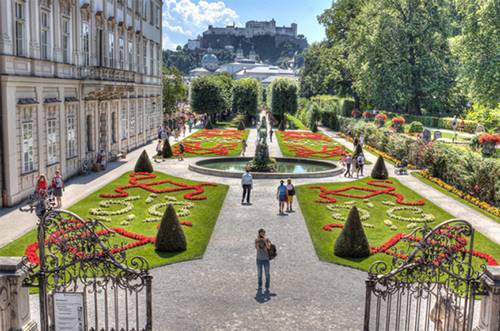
(367, 114)
(494, 138)
(399, 120)
(355, 113)
(381, 117)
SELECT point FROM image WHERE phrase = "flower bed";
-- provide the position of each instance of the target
(388, 210)
(309, 145)
(213, 142)
(133, 211)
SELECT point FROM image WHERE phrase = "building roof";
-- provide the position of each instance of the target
(198, 70)
(263, 70)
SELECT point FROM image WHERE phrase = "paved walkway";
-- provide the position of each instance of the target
(482, 223)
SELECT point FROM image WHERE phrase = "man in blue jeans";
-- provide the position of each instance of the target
(262, 245)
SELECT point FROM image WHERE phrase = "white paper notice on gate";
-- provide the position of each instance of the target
(69, 314)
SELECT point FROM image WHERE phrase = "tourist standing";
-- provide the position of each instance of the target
(58, 187)
(282, 196)
(163, 134)
(247, 185)
(41, 186)
(159, 149)
(347, 161)
(360, 164)
(271, 134)
(262, 245)
(181, 151)
(243, 147)
(160, 129)
(190, 125)
(290, 188)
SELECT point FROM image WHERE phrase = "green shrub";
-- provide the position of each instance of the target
(241, 126)
(166, 150)
(352, 241)
(416, 127)
(143, 163)
(379, 170)
(170, 237)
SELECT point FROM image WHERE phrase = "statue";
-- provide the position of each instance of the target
(262, 133)
(261, 161)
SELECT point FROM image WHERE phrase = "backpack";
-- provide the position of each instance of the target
(272, 252)
(361, 160)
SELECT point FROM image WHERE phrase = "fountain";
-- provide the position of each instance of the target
(261, 161)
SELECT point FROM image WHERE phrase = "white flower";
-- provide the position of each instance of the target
(394, 228)
(124, 223)
(363, 213)
(388, 222)
(424, 218)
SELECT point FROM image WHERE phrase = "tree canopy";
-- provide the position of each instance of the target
(174, 89)
(211, 94)
(246, 93)
(284, 96)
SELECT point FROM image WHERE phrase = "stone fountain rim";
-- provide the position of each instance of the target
(199, 168)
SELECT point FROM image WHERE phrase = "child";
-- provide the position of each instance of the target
(347, 161)
(181, 151)
(360, 162)
(41, 186)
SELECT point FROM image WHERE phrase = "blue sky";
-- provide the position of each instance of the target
(185, 19)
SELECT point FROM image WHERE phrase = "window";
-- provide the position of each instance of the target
(124, 124)
(145, 9)
(113, 128)
(27, 152)
(86, 44)
(145, 61)
(51, 134)
(20, 29)
(140, 117)
(138, 55)
(121, 45)
(111, 48)
(45, 31)
(151, 60)
(65, 40)
(132, 119)
(158, 16)
(130, 56)
(71, 132)
(153, 118)
(100, 48)
(89, 133)
(152, 13)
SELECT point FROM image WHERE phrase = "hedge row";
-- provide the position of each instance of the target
(436, 122)
(462, 169)
(331, 107)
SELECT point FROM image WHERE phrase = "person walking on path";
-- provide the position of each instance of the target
(290, 188)
(247, 184)
(181, 151)
(347, 161)
(360, 160)
(282, 196)
(271, 134)
(243, 147)
(262, 245)
(159, 149)
(58, 187)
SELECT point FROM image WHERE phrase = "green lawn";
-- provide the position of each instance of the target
(203, 217)
(451, 195)
(296, 122)
(230, 123)
(334, 151)
(198, 144)
(318, 215)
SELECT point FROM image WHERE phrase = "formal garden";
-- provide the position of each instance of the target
(213, 142)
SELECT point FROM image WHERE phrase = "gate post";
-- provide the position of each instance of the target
(490, 303)
(370, 284)
(14, 298)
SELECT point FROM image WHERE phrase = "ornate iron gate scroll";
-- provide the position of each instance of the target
(74, 255)
(433, 288)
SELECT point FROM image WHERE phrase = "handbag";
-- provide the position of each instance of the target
(272, 252)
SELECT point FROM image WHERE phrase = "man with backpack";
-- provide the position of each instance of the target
(265, 252)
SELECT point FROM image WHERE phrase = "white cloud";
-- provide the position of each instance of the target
(185, 19)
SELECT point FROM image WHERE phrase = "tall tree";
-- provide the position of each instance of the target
(207, 95)
(478, 48)
(316, 77)
(284, 97)
(174, 89)
(400, 56)
(246, 93)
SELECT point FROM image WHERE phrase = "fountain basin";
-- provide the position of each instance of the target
(288, 167)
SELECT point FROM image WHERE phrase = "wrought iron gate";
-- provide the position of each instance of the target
(75, 258)
(434, 287)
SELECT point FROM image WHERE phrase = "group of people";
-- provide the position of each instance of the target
(56, 185)
(355, 162)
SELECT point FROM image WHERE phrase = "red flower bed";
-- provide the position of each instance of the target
(381, 117)
(399, 120)
(301, 150)
(221, 149)
(139, 176)
(367, 114)
(494, 138)
(385, 248)
(326, 194)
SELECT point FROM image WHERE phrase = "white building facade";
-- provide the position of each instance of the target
(76, 77)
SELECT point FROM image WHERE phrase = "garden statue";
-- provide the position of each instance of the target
(262, 162)
(262, 134)
(426, 136)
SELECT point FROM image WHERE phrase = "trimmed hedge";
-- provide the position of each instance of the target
(170, 237)
(143, 163)
(436, 122)
(465, 170)
(379, 170)
(352, 241)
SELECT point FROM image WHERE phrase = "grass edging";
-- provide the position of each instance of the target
(417, 175)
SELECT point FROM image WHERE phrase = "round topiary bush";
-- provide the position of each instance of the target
(143, 163)
(416, 127)
(170, 237)
(352, 241)
(166, 151)
(379, 170)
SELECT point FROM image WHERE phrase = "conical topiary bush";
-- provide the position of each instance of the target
(143, 163)
(209, 125)
(314, 127)
(170, 237)
(166, 151)
(282, 126)
(379, 170)
(352, 241)
(241, 126)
